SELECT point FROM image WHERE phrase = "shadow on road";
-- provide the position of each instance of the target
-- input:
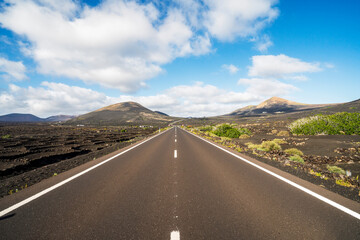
(7, 216)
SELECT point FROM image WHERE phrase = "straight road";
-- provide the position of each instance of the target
(180, 187)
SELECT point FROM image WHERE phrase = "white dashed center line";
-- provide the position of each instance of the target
(175, 235)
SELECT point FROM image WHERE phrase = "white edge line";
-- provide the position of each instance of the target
(27, 200)
(308, 191)
(175, 235)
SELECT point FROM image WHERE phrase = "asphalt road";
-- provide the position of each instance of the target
(176, 185)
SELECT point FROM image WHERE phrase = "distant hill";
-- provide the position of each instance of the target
(353, 106)
(20, 117)
(161, 113)
(275, 105)
(126, 113)
(59, 118)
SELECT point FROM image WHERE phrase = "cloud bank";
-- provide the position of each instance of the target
(196, 100)
(121, 44)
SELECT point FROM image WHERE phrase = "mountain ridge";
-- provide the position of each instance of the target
(30, 118)
(275, 105)
(124, 113)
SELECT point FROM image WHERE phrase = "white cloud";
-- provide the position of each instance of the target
(15, 70)
(65, 7)
(51, 99)
(267, 72)
(48, 99)
(262, 43)
(228, 19)
(121, 44)
(266, 87)
(118, 44)
(280, 66)
(192, 9)
(197, 100)
(231, 68)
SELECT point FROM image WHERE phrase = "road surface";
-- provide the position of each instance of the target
(176, 186)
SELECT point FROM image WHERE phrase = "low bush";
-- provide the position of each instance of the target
(344, 183)
(297, 158)
(244, 136)
(274, 131)
(265, 146)
(268, 146)
(206, 128)
(223, 139)
(339, 123)
(294, 151)
(251, 145)
(244, 131)
(225, 130)
(212, 134)
(7, 136)
(279, 141)
(221, 130)
(335, 169)
(283, 134)
(232, 133)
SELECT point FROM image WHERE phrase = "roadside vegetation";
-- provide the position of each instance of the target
(265, 146)
(339, 123)
(336, 169)
(7, 136)
(226, 130)
(294, 151)
(271, 141)
(297, 158)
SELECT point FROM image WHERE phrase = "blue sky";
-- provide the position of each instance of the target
(185, 58)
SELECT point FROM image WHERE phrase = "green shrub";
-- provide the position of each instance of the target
(294, 151)
(339, 123)
(223, 139)
(212, 134)
(206, 128)
(297, 158)
(268, 146)
(335, 169)
(279, 141)
(225, 130)
(7, 136)
(251, 145)
(221, 130)
(239, 149)
(265, 146)
(344, 183)
(244, 131)
(233, 133)
(274, 131)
